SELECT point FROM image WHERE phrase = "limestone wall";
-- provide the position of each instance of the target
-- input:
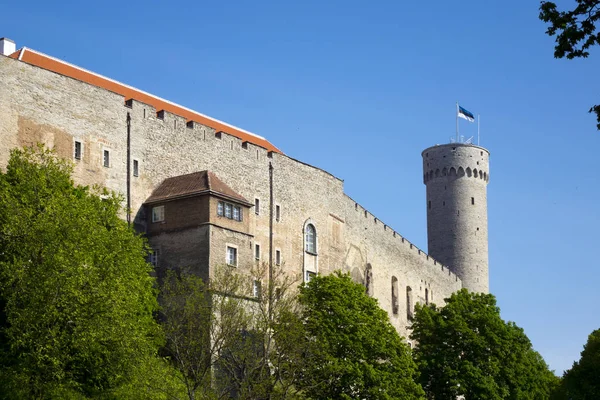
(37, 105)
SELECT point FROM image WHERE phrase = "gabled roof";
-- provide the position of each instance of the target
(194, 184)
(49, 63)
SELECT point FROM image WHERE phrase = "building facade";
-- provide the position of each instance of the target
(207, 193)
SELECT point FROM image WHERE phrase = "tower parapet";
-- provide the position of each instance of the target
(456, 176)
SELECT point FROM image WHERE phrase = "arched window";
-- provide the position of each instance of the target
(310, 239)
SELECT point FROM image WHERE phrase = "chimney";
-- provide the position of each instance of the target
(7, 46)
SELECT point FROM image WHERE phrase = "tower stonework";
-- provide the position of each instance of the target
(456, 176)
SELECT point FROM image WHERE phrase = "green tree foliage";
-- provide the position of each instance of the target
(575, 31)
(227, 342)
(465, 348)
(352, 350)
(582, 381)
(76, 295)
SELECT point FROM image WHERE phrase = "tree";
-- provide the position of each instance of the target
(575, 31)
(353, 352)
(582, 381)
(228, 337)
(466, 349)
(76, 295)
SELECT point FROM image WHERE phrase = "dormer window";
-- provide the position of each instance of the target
(230, 211)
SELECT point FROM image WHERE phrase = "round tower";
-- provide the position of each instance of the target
(456, 176)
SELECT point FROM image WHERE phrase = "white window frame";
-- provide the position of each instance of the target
(234, 262)
(256, 289)
(75, 142)
(309, 276)
(158, 214)
(154, 257)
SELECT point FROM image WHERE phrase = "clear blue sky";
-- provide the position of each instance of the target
(360, 89)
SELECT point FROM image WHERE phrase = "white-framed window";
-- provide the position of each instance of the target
(257, 206)
(230, 211)
(257, 251)
(256, 286)
(310, 239)
(277, 257)
(158, 214)
(310, 275)
(106, 158)
(231, 256)
(136, 168)
(154, 257)
(78, 150)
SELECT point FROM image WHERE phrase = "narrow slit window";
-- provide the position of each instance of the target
(278, 257)
(106, 158)
(78, 148)
(277, 213)
(136, 168)
(257, 206)
(472, 200)
(257, 251)
(409, 303)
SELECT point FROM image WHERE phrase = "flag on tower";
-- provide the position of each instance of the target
(466, 114)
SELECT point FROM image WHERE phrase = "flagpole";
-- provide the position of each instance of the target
(457, 122)
(478, 118)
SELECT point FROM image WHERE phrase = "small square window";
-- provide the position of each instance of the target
(158, 214)
(256, 289)
(136, 168)
(257, 206)
(220, 208)
(78, 148)
(106, 158)
(277, 213)
(257, 251)
(231, 256)
(277, 257)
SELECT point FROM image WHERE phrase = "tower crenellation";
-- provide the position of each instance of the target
(456, 176)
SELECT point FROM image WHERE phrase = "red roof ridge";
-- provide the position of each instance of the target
(59, 66)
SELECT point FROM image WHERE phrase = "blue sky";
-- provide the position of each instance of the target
(360, 89)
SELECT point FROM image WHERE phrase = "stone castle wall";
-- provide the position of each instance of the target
(40, 106)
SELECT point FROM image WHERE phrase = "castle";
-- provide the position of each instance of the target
(207, 193)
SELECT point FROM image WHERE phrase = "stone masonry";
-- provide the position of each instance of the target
(37, 105)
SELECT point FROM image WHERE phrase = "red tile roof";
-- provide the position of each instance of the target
(61, 67)
(197, 183)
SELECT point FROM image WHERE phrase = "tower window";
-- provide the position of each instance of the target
(429, 204)
(473, 200)
(426, 296)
